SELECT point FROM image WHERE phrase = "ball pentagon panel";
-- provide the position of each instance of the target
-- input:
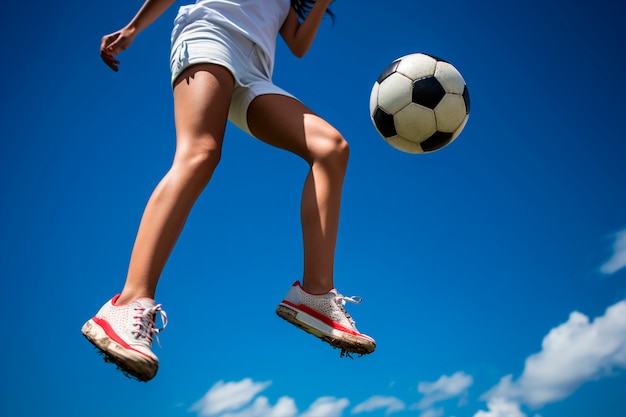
(427, 92)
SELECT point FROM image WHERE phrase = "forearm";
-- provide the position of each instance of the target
(148, 13)
(300, 36)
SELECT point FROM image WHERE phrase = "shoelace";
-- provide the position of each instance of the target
(341, 301)
(145, 323)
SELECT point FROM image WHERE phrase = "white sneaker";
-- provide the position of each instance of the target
(123, 333)
(325, 317)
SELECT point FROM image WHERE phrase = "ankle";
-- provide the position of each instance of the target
(127, 297)
(317, 288)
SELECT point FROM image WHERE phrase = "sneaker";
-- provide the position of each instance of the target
(123, 334)
(324, 316)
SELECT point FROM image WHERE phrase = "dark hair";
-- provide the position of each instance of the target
(302, 8)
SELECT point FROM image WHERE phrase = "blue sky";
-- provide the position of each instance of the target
(493, 272)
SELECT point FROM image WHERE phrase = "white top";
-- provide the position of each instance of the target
(258, 20)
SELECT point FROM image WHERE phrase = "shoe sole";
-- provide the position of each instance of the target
(133, 365)
(346, 342)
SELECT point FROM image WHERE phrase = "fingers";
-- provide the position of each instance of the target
(110, 61)
(108, 56)
(110, 46)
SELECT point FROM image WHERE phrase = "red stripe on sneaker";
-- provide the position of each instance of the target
(115, 337)
(321, 317)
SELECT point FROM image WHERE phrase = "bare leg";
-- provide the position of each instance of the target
(201, 100)
(288, 124)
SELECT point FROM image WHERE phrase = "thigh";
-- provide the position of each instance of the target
(202, 95)
(286, 123)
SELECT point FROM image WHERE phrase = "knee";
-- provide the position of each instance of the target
(198, 160)
(332, 151)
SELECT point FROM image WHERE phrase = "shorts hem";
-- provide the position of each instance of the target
(190, 63)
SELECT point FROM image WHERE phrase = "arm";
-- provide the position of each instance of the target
(299, 36)
(116, 42)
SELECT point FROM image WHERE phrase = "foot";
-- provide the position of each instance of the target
(324, 316)
(123, 334)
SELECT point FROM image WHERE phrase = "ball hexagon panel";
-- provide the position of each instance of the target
(450, 79)
(404, 145)
(374, 98)
(450, 113)
(415, 122)
(416, 66)
(394, 92)
(466, 98)
(461, 127)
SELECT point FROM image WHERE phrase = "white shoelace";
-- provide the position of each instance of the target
(341, 301)
(145, 323)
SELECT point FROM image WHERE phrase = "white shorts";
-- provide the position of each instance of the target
(198, 40)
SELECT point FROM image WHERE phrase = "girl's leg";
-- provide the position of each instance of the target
(288, 124)
(202, 97)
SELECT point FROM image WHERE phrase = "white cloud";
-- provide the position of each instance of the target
(444, 388)
(392, 404)
(228, 396)
(617, 260)
(573, 353)
(432, 412)
(286, 407)
(326, 407)
(500, 407)
(234, 399)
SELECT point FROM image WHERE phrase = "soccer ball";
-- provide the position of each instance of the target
(419, 103)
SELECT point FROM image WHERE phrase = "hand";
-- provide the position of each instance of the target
(113, 44)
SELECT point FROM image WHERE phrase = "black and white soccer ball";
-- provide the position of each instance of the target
(419, 103)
